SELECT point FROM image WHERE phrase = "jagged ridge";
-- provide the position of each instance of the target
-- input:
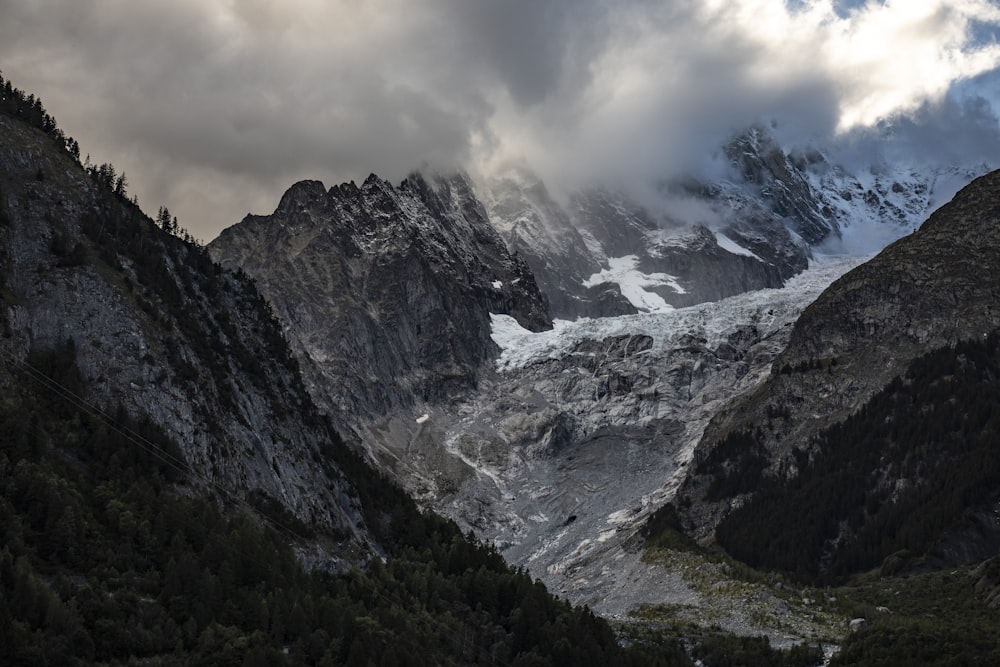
(158, 329)
(386, 292)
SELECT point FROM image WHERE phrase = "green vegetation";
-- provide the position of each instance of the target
(929, 619)
(730, 651)
(935, 431)
(112, 551)
(736, 464)
(110, 554)
(730, 594)
(878, 501)
(27, 108)
(662, 530)
(934, 618)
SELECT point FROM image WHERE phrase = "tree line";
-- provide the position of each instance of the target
(887, 485)
(27, 108)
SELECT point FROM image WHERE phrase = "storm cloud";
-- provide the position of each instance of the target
(214, 108)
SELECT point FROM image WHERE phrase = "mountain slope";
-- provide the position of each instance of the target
(157, 329)
(752, 225)
(560, 254)
(912, 478)
(385, 292)
(168, 492)
(933, 289)
(604, 255)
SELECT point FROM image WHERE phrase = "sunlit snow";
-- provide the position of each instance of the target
(732, 246)
(623, 272)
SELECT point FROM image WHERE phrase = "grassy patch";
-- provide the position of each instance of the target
(740, 600)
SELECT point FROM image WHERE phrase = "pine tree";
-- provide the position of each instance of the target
(163, 219)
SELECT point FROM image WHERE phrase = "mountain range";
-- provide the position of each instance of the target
(169, 492)
(632, 404)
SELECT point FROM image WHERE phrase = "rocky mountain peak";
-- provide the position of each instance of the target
(301, 195)
(152, 329)
(404, 277)
(782, 183)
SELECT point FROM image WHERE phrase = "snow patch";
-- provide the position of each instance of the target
(732, 246)
(769, 309)
(619, 517)
(623, 272)
(506, 332)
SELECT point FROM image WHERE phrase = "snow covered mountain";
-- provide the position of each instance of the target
(600, 253)
(587, 428)
(414, 313)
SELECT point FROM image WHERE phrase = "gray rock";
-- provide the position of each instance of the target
(156, 329)
(928, 290)
(385, 292)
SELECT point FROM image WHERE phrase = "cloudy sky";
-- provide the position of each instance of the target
(214, 107)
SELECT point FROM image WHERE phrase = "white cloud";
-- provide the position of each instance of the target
(674, 82)
(214, 108)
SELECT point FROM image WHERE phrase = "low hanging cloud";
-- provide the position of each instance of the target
(676, 79)
(215, 108)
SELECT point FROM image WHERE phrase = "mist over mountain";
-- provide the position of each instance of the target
(217, 110)
(563, 449)
(168, 490)
(683, 312)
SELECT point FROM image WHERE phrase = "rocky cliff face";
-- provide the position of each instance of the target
(753, 229)
(560, 452)
(159, 330)
(385, 292)
(561, 255)
(928, 290)
(596, 255)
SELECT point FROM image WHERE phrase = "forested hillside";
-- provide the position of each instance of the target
(110, 555)
(914, 475)
(179, 500)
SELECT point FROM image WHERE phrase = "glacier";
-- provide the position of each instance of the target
(585, 429)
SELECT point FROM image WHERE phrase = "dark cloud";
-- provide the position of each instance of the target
(533, 48)
(215, 108)
(962, 131)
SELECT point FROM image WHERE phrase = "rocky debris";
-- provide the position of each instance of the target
(585, 430)
(697, 591)
(559, 453)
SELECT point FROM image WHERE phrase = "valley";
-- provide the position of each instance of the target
(427, 408)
